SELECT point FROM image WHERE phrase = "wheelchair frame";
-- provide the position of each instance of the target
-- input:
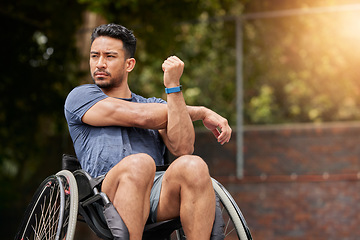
(73, 195)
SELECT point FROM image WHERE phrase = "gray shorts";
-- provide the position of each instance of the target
(155, 196)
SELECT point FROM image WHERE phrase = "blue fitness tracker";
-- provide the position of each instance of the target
(173, 90)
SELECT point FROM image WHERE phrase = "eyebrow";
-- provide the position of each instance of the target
(111, 52)
(107, 53)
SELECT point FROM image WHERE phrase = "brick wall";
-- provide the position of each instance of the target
(300, 181)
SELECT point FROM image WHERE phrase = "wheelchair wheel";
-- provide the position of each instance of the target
(235, 224)
(52, 213)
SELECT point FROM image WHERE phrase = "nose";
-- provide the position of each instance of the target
(101, 64)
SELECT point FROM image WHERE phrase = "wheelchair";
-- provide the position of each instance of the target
(72, 195)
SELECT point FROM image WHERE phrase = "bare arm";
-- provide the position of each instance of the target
(179, 135)
(116, 112)
(217, 124)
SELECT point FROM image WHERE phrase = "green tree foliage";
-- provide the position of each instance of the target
(308, 63)
(38, 59)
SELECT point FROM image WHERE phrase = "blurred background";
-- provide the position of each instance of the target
(285, 74)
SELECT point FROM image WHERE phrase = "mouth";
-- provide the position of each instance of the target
(101, 74)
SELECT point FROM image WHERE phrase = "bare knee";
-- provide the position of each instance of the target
(194, 170)
(138, 169)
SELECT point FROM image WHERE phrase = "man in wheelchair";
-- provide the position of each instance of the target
(123, 136)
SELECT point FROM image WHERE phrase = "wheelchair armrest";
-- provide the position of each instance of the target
(99, 196)
(87, 186)
(70, 162)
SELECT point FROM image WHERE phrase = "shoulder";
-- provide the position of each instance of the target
(141, 99)
(85, 92)
(85, 89)
(83, 97)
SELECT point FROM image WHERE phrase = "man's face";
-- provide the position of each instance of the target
(107, 62)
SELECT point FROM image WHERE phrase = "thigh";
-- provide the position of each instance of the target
(185, 172)
(174, 177)
(140, 168)
(169, 200)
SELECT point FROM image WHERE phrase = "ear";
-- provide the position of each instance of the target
(130, 64)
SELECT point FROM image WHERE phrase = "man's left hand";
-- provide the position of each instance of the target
(218, 125)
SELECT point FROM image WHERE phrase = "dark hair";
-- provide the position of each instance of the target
(119, 32)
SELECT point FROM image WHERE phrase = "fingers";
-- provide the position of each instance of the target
(222, 133)
(223, 129)
(173, 68)
(172, 61)
(218, 125)
(216, 133)
(225, 135)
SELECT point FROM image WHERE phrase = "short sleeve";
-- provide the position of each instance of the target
(80, 100)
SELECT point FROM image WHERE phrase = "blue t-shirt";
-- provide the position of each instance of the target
(100, 148)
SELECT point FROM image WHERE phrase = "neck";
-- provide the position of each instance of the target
(118, 92)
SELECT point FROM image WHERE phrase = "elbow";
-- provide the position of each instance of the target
(186, 145)
(187, 151)
(183, 149)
